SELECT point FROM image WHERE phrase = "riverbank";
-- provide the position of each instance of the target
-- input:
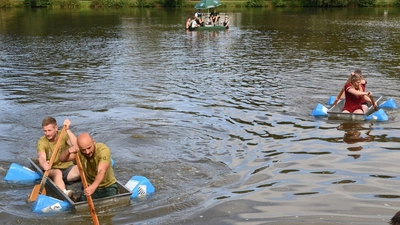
(122, 3)
(191, 3)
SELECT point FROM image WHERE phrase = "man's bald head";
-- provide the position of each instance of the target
(86, 144)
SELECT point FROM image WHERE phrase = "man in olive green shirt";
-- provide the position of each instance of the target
(96, 163)
(60, 172)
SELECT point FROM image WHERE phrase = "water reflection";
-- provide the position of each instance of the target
(197, 39)
(353, 134)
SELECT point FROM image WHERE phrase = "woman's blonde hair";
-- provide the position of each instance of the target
(359, 73)
(355, 78)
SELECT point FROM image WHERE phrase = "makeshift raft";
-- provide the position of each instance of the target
(335, 112)
(55, 200)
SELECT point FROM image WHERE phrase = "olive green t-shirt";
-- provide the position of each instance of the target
(44, 145)
(101, 154)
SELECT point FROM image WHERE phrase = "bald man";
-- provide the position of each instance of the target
(96, 163)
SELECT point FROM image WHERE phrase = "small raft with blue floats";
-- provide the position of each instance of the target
(55, 200)
(335, 111)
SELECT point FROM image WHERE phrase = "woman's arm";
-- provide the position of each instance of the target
(367, 98)
(353, 91)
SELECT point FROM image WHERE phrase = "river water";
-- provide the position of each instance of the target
(218, 121)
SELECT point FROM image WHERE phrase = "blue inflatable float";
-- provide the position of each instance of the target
(21, 174)
(46, 204)
(140, 186)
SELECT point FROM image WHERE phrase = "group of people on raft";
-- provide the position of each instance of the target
(357, 99)
(198, 20)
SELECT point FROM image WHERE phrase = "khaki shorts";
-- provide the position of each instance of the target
(65, 173)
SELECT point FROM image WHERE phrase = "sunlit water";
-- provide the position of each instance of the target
(218, 121)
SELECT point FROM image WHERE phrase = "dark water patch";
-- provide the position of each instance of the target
(344, 182)
(289, 171)
(222, 197)
(242, 192)
(387, 196)
(306, 193)
(266, 185)
(310, 153)
(383, 176)
(259, 169)
(324, 172)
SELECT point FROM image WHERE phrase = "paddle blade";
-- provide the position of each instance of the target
(331, 100)
(36, 191)
(46, 204)
(21, 174)
(140, 186)
(379, 115)
(389, 104)
(319, 110)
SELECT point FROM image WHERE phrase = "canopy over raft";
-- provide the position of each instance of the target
(207, 4)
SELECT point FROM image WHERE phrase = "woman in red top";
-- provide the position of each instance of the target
(354, 96)
(363, 84)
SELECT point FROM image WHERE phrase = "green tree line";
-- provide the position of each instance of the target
(191, 3)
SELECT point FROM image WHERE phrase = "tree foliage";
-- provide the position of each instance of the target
(174, 3)
(36, 3)
(337, 3)
(255, 3)
(366, 3)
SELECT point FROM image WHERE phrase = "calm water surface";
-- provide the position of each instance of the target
(218, 121)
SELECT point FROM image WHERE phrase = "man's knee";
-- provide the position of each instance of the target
(55, 173)
(73, 174)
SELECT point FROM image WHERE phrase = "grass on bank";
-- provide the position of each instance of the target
(191, 3)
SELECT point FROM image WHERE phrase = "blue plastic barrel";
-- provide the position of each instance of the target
(21, 174)
(379, 115)
(46, 204)
(140, 186)
(319, 110)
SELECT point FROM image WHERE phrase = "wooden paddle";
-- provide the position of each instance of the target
(373, 102)
(38, 189)
(85, 185)
(341, 92)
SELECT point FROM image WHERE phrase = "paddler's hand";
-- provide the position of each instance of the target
(46, 166)
(73, 150)
(89, 190)
(67, 123)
